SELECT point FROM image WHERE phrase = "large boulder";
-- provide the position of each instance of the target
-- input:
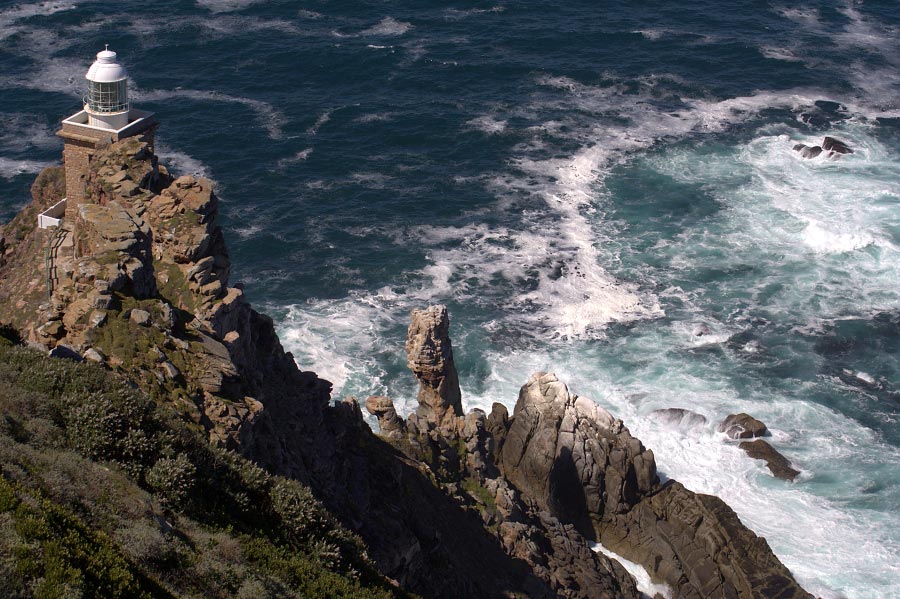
(430, 357)
(572, 457)
(697, 544)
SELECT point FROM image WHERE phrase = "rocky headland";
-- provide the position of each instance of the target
(449, 504)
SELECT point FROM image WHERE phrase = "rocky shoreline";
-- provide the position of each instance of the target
(448, 504)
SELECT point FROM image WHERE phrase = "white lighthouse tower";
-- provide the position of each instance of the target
(107, 100)
(107, 117)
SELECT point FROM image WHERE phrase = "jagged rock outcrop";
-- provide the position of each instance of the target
(390, 424)
(430, 357)
(698, 545)
(572, 457)
(567, 471)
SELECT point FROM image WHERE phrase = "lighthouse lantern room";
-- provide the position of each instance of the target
(107, 117)
(107, 99)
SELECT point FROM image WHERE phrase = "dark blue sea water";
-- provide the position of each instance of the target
(605, 190)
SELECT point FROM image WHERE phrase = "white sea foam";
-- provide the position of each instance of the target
(377, 117)
(320, 120)
(180, 163)
(23, 132)
(876, 84)
(779, 53)
(387, 26)
(225, 25)
(9, 17)
(488, 124)
(226, 5)
(269, 117)
(554, 252)
(455, 14)
(300, 156)
(644, 583)
(347, 341)
(823, 240)
(13, 167)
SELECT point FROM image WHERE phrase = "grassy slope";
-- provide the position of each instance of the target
(105, 494)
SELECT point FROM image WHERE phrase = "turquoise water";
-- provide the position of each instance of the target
(586, 187)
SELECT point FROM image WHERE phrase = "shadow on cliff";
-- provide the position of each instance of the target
(418, 535)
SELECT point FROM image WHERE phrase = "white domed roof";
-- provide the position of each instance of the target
(105, 69)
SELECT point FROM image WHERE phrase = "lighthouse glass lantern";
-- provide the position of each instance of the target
(107, 101)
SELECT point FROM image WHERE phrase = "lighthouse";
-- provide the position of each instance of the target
(106, 117)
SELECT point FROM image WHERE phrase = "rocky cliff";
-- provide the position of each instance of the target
(564, 460)
(449, 504)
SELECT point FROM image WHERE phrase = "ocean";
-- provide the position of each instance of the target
(604, 190)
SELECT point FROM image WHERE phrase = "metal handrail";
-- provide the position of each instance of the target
(124, 106)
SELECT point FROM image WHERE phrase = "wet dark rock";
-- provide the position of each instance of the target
(779, 465)
(700, 330)
(810, 152)
(698, 545)
(832, 144)
(742, 426)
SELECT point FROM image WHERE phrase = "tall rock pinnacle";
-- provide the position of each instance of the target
(430, 357)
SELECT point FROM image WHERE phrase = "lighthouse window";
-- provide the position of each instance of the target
(107, 97)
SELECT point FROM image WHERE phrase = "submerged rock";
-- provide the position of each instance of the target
(810, 151)
(833, 146)
(779, 465)
(679, 417)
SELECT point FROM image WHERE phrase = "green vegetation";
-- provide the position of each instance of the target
(175, 288)
(480, 494)
(137, 350)
(106, 493)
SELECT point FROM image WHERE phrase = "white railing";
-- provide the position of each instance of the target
(52, 216)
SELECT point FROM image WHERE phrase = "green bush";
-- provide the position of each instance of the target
(114, 428)
(172, 479)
